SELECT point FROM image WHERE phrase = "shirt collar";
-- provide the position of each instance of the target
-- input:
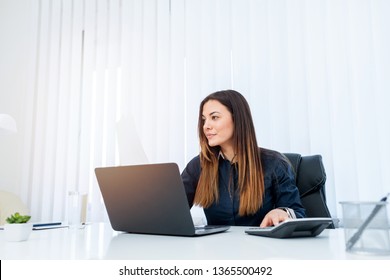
(222, 156)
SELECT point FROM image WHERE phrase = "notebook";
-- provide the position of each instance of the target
(149, 199)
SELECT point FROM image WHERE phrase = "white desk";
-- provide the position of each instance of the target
(99, 241)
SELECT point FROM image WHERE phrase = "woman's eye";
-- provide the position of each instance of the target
(214, 118)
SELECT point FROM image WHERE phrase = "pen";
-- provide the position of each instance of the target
(360, 230)
(47, 224)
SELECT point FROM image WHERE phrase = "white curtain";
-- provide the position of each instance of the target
(316, 74)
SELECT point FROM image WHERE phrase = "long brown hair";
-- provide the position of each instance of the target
(250, 173)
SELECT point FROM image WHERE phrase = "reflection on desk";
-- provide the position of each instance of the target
(99, 241)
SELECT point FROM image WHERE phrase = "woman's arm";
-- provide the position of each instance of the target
(190, 177)
(286, 195)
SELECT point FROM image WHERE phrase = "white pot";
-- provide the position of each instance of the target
(17, 232)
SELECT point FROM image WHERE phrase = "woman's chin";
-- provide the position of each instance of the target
(212, 144)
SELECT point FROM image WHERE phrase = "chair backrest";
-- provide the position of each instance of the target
(310, 179)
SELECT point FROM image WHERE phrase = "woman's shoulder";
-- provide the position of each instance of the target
(195, 160)
(193, 166)
(270, 154)
(272, 158)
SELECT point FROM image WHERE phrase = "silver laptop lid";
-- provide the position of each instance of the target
(146, 199)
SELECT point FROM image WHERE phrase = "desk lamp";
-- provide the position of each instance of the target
(7, 124)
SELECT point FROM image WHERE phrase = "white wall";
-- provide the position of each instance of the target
(15, 56)
(328, 56)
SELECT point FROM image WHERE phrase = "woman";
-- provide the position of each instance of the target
(235, 181)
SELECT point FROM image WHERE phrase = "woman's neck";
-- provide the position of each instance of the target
(228, 153)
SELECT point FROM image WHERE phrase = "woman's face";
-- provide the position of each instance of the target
(218, 125)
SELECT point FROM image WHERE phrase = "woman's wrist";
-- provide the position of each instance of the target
(290, 212)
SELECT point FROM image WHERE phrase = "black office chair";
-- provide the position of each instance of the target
(310, 179)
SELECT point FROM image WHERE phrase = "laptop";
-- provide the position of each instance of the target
(148, 199)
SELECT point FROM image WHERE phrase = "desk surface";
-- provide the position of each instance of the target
(99, 241)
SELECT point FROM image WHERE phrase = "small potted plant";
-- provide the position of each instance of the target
(17, 227)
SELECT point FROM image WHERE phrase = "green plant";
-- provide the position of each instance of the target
(18, 219)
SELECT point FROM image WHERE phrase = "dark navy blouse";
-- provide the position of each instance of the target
(279, 183)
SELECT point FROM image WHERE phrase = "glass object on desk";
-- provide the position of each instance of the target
(366, 227)
(77, 209)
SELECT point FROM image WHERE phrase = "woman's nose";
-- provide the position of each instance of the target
(206, 125)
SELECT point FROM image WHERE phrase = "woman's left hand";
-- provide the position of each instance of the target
(274, 217)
